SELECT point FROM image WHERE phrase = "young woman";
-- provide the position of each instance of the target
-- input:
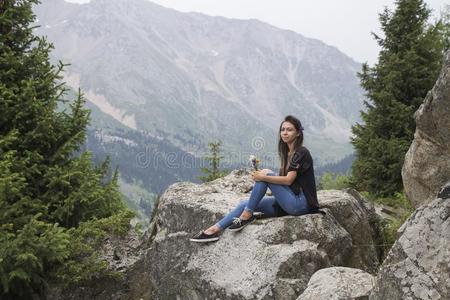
(294, 189)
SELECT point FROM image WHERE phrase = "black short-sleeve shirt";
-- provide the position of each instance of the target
(305, 181)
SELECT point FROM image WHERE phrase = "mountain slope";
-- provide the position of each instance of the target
(193, 78)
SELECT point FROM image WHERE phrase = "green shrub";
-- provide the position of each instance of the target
(84, 262)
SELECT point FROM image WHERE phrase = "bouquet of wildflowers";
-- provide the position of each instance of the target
(254, 161)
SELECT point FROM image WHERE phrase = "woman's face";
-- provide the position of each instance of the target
(288, 133)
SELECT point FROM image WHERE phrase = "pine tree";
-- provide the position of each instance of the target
(408, 65)
(54, 204)
(213, 172)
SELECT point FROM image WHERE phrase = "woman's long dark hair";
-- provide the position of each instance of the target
(283, 149)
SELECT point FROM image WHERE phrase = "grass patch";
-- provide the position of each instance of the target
(333, 181)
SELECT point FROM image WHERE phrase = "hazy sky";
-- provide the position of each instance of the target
(345, 24)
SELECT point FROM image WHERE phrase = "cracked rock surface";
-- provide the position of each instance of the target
(427, 162)
(418, 265)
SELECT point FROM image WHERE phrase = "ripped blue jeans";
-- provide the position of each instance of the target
(282, 194)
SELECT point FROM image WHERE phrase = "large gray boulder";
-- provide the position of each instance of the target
(418, 265)
(338, 283)
(271, 259)
(427, 163)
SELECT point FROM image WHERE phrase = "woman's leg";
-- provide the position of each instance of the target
(289, 202)
(265, 206)
(258, 203)
(235, 213)
(285, 197)
(258, 192)
(292, 204)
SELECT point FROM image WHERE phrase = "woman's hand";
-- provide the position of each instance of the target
(260, 175)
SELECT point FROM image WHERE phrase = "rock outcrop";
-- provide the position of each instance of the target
(338, 283)
(418, 265)
(427, 163)
(272, 259)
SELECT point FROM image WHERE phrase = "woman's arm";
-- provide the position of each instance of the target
(283, 180)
